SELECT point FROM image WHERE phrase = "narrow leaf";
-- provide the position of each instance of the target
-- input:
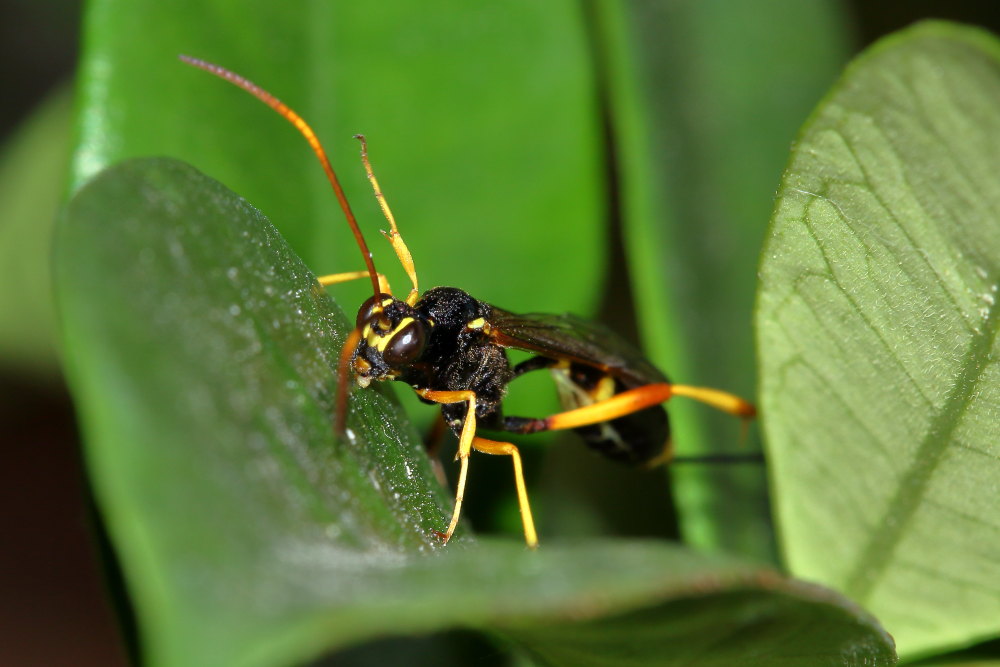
(706, 97)
(32, 170)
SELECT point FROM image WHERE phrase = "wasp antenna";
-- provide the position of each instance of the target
(394, 237)
(307, 132)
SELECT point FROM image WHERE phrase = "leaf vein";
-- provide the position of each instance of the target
(876, 331)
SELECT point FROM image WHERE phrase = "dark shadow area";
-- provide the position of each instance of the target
(445, 648)
(55, 609)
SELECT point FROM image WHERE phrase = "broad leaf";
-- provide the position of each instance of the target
(878, 323)
(202, 353)
(481, 121)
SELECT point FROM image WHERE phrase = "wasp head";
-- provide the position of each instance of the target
(393, 336)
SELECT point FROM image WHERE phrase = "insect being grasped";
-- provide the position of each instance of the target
(451, 349)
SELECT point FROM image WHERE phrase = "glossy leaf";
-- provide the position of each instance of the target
(480, 119)
(202, 353)
(706, 98)
(878, 339)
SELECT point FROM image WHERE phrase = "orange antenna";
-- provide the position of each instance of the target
(310, 136)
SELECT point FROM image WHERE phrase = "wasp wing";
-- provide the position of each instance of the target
(577, 340)
(594, 354)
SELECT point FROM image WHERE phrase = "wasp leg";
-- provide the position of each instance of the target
(720, 400)
(507, 449)
(534, 364)
(393, 235)
(334, 278)
(464, 445)
(631, 401)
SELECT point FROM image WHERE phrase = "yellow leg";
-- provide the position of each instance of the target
(507, 449)
(459, 495)
(334, 278)
(648, 395)
(464, 445)
(393, 235)
(720, 400)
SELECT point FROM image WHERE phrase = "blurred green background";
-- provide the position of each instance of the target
(53, 587)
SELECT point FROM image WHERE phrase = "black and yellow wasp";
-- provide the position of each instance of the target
(452, 350)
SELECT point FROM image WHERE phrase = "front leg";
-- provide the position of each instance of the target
(464, 444)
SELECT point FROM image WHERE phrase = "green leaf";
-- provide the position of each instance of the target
(706, 98)
(202, 353)
(32, 171)
(878, 339)
(480, 121)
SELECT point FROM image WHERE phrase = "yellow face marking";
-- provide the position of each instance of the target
(379, 341)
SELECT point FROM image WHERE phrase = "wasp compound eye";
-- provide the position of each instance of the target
(406, 344)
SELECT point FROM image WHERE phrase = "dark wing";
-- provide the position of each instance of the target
(574, 339)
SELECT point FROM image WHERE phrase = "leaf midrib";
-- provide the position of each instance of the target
(877, 554)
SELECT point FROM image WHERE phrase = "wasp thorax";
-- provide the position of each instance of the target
(393, 335)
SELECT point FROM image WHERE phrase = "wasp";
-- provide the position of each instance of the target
(451, 348)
